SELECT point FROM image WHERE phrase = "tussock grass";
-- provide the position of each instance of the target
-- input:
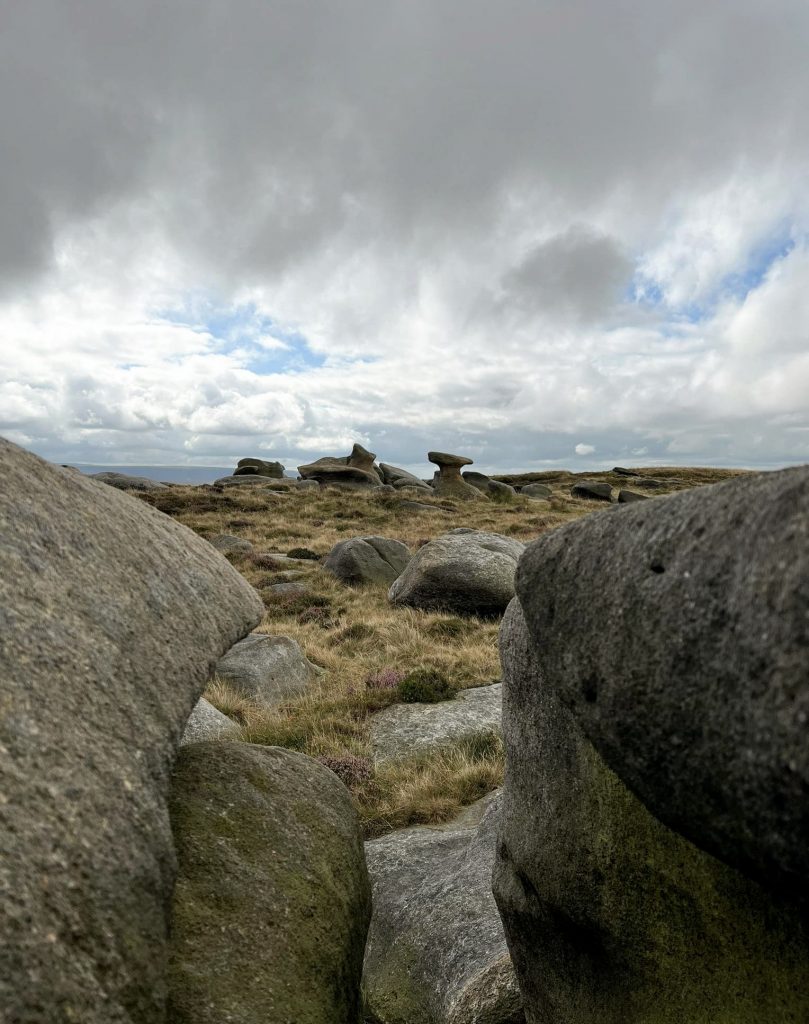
(364, 646)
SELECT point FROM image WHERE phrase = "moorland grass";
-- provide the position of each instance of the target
(363, 645)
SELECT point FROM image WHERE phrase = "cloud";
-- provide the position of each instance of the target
(488, 228)
(584, 449)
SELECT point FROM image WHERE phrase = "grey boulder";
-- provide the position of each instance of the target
(124, 482)
(688, 669)
(111, 618)
(486, 485)
(592, 490)
(227, 544)
(367, 560)
(465, 571)
(272, 901)
(267, 669)
(626, 497)
(407, 730)
(259, 467)
(611, 918)
(207, 723)
(436, 950)
(448, 482)
(536, 491)
(399, 477)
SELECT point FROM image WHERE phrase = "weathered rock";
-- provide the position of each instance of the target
(259, 467)
(610, 917)
(227, 544)
(477, 480)
(361, 458)
(307, 485)
(250, 480)
(268, 669)
(367, 560)
(111, 615)
(464, 571)
(207, 723)
(272, 901)
(436, 951)
(486, 485)
(592, 490)
(398, 477)
(648, 483)
(689, 670)
(416, 485)
(626, 497)
(288, 588)
(449, 483)
(406, 730)
(418, 506)
(621, 471)
(536, 491)
(335, 472)
(124, 482)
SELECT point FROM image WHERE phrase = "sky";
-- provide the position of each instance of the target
(539, 234)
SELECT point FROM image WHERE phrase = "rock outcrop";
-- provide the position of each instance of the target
(611, 918)
(486, 485)
(436, 951)
(124, 482)
(449, 483)
(267, 669)
(678, 633)
(259, 467)
(355, 471)
(111, 617)
(272, 901)
(464, 571)
(407, 730)
(367, 560)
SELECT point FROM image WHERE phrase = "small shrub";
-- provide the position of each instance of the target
(425, 686)
(349, 769)
(303, 553)
(386, 679)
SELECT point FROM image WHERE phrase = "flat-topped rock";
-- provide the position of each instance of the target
(449, 483)
(436, 949)
(591, 490)
(111, 617)
(124, 482)
(405, 730)
(259, 467)
(442, 459)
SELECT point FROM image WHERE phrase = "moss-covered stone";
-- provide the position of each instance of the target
(611, 917)
(272, 901)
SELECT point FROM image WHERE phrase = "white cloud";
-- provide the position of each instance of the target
(584, 449)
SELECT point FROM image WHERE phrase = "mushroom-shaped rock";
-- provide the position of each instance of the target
(610, 916)
(465, 571)
(272, 901)
(111, 616)
(259, 467)
(689, 670)
(367, 560)
(436, 949)
(449, 483)
(268, 669)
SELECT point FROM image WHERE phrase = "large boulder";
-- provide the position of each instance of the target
(611, 918)
(407, 730)
(399, 477)
(259, 467)
(111, 618)
(354, 472)
(536, 491)
(486, 485)
(678, 633)
(436, 951)
(124, 482)
(272, 901)
(367, 560)
(267, 669)
(465, 571)
(591, 490)
(449, 483)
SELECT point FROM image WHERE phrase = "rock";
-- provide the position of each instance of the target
(307, 485)
(336, 473)
(624, 472)
(449, 483)
(227, 544)
(610, 917)
(536, 491)
(648, 483)
(468, 572)
(129, 483)
(412, 485)
(268, 669)
(418, 506)
(436, 950)
(385, 489)
(592, 490)
(628, 497)
(361, 458)
(398, 477)
(111, 615)
(477, 480)
(260, 467)
(486, 485)
(277, 560)
(689, 670)
(272, 901)
(207, 723)
(406, 730)
(288, 589)
(249, 480)
(367, 560)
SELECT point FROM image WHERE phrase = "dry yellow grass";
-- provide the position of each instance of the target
(352, 633)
